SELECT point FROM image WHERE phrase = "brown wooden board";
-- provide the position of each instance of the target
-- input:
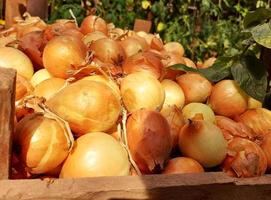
(142, 25)
(205, 186)
(7, 95)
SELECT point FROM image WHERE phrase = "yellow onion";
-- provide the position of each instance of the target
(93, 23)
(173, 94)
(204, 142)
(189, 63)
(174, 47)
(49, 87)
(109, 82)
(96, 154)
(228, 99)
(108, 51)
(92, 37)
(232, 129)
(208, 63)
(182, 165)
(23, 87)
(142, 90)
(175, 120)
(266, 147)
(40, 76)
(253, 103)
(42, 143)
(146, 61)
(149, 139)
(259, 120)
(244, 159)
(193, 109)
(89, 106)
(131, 46)
(196, 88)
(62, 54)
(16, 59)
(172, 59)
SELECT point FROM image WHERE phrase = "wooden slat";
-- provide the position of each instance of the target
(7, 99)
(206, 186)
(142, 25)
(38, 8)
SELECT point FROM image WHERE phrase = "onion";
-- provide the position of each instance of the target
(74, 33)
(146, 61)
(182, 165)
(40, 76)
(173, 94)
(196, 88)
(266, 147)
(228, 99)
(204, 142)
(89, 106)
(149, 139)
(109, 82)
(18, 170)
(231, 129)
(49, 87)
(174, 47)
(62, 54)
(208, 63)
(14, 58)
(253, 103)
(172, 59)
(23, 87)
(133, 45)
(175, 120)
(189, 63)
(93, 23)
(96, 154)
(244, 159)
(157, 44)
(42, 143)
(142, 90)
(108, 51)
(93, 36)
(193, 109)
(259, 120)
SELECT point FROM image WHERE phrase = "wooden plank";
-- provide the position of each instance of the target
(207, 186)
(7, 99)
(142, 25)
(38, 8)
(14, 8)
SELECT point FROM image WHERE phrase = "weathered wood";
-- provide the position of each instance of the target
(7, 99)
(207, 186)
(142, 25)
(38, 8)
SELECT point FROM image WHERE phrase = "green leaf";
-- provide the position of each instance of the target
(262, 34)
(219, 70)
(257, 16)
(250, 73)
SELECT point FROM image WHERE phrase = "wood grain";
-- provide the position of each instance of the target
(7, 99)
(142, 25)
(38, 8)
(205, 186)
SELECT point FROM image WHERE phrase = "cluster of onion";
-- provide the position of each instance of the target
(88, 75)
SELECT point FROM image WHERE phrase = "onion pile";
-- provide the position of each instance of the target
(131, 113)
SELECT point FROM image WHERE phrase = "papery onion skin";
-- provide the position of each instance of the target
(182, 165)
(189, 63)
(174, 94)
(228, 99)
(204, 142)
(232, 129)
(172, 59)
(16, 59)
(174, 47)
(108, 51)
(196, 88)
(175, 120)
(208, 63)
(92, 37)
(62, 54)
(42, 143)
(40, 76)
(142, 90)
(146, 61)
(253, 103)
(132, 46)
(259, 120)
(89, 106)
(149, 139)
(191, 110)
(96, 154)
(23, 87)
(244, 159)
(93, 23)
(266, 147)
(49, 87)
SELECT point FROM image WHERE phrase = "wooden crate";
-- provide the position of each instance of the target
(205, 186)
